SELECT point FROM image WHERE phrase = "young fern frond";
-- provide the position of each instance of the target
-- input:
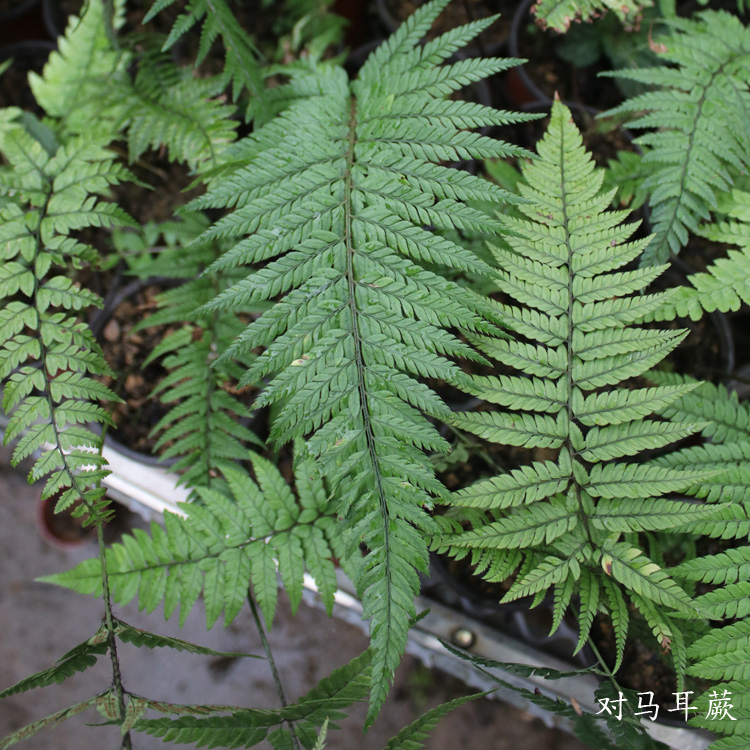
(697, 117)
(235, 537)
(81, 76)
(204, 427)
(47, 355)
(330, 206)
(567, 524)
(559, 14)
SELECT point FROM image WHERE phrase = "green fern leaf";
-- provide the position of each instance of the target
(692, 154)
(49, 721)
(247, 727)
(416, 734)
(52, 353)
(222, 546)
(83, 68)
(78, 659)
(241, 64)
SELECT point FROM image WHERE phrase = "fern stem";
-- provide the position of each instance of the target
(631, 717)
(569, 343)
(272, 665)
(109, 621)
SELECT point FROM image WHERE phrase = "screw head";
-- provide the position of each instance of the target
(463, 637)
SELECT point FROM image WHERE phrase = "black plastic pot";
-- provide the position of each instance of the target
(120, 292)
(19, 8)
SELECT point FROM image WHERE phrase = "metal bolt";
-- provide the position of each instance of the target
(463, 637)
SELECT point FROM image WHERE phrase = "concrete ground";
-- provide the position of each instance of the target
(39, 622)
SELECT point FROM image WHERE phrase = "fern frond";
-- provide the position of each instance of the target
(723, 654)
(204, 427)
(78, 659)
(560, 523)
(727, 426)
(79, 78)
(235, 537)
(47, 356)
(362, 311)
(50, 721)
(692, 154)
(247, 727)
(167, 106)
(414, 736)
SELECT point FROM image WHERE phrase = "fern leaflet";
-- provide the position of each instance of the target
(559, 14)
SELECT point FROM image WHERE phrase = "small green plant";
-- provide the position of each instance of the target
(334, 295)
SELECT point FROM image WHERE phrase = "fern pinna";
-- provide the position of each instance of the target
(725, 284)
(569, 525)
(698, 139)
(330, 202)
(231, 538)
(559, 14)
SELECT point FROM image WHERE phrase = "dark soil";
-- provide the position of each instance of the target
(126, 351)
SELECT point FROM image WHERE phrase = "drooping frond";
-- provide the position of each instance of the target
(565, 524)
(559, 14)
(236, 537)
(47, 355)
(330, 203)
(697, 118)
